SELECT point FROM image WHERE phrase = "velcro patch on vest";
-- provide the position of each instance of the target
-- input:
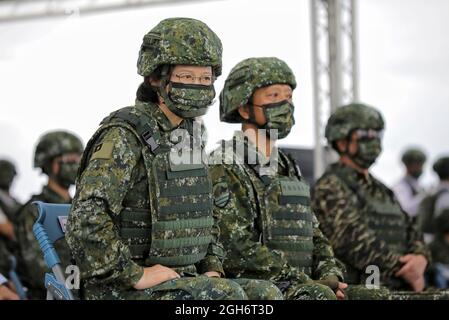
(103, 151)
(221, 194)
(294, 188)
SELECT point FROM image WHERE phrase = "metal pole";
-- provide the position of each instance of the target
(318, 152)
(335, 54)
(355, 51)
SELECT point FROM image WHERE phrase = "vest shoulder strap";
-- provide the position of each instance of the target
(145, 126)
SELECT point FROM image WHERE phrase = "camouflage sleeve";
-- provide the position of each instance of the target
(347, 230)
(245, 254)
(215, 253)
(416, 243)
(91, 232)
(324, 263)
(31, 254)
(4, 254)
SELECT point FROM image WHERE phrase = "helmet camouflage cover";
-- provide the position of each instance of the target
(351, 117)
(54, 144)
(413, 156)
(247, 76)
(179, 41)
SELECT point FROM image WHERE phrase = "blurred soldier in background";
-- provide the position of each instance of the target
(408, 190)
(58, 155)
(360, 215)
(8, 204)
(8, 211)
(265, 238)
(435, 204)
(434, 219)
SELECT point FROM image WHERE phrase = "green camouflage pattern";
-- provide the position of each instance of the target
(180, 41)
(115, 178)
(351, 117)
(360, 292)
(187, 288)
(32, 267)
(246, 256)
(312, 291)
(430, 294)
(259, 289)
(413, 155)
(344, 221)
(4, 256)
(53, 144)
(247, 76)
(187, 100)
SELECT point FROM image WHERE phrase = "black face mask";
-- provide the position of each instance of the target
(416, 174)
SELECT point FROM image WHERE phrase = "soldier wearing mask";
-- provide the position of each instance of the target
(141, 224)
(434, 221)
(408, 190)
(8, 204)
(360, 215)
(260, 197)
(58, 155)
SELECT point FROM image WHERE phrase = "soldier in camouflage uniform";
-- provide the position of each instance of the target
(267, 238)
(8, 210)
(58, 155)
(8, 204)
(141, 224)
(434, 214)
(361, 217)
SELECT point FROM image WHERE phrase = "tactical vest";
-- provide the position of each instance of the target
(285, 213)
(385, 218)
(174, 228)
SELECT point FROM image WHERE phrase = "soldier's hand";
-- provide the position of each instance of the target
(413, 270)
(212, 274)
(7, 294)
(336, 286)
(7, 230)
(340, 293)
(155, 275)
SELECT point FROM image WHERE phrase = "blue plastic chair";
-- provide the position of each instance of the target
(49, 228)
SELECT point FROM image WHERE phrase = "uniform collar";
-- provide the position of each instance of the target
(251, 152)
(52, 197)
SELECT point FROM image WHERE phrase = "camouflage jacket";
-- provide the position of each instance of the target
(4, 256)
(32, 267)
(339, 211)
(8, 205)
(107, 181)
(237, 211)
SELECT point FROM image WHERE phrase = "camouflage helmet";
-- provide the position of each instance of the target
(53, 144)
(351, 117)
(413, 156)
(247, 76)
(179, 41)
(441, 167)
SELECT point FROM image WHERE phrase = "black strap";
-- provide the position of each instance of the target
(142, 126)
